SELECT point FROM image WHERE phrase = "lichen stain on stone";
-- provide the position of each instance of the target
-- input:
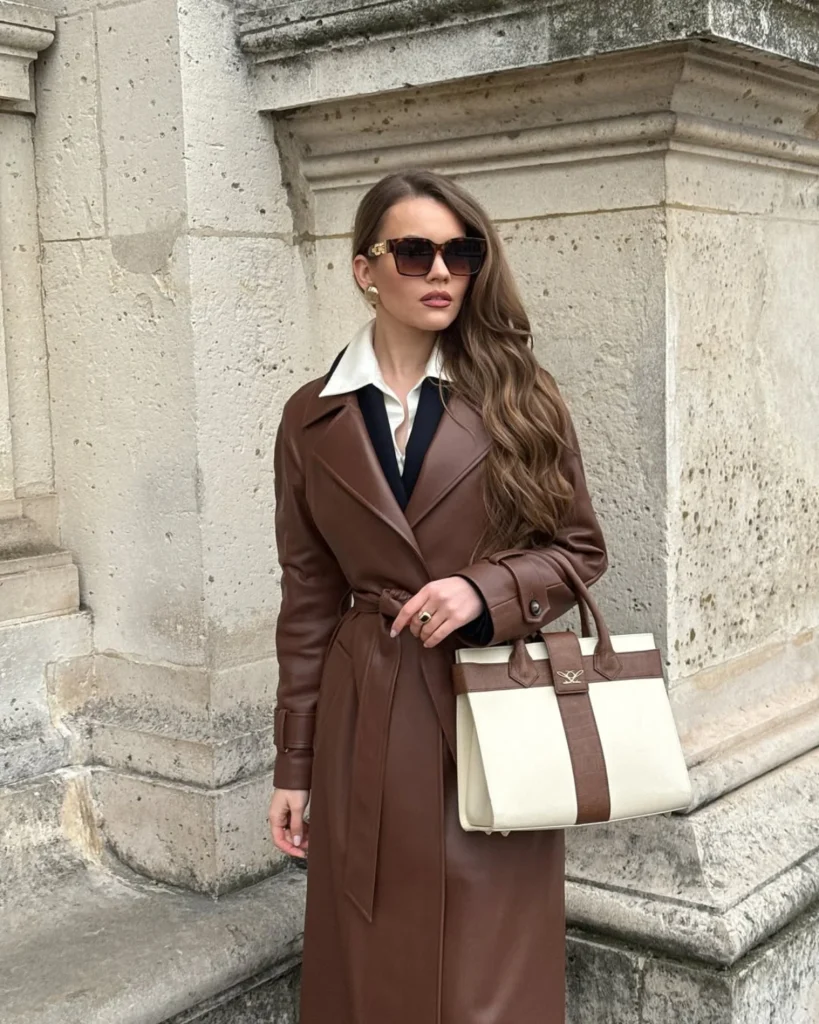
(77, 817)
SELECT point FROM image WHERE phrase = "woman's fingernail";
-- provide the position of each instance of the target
(393, 633)
(297, 840)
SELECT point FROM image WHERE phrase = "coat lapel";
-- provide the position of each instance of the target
(346, 452)
(444, 445)
(458, 445)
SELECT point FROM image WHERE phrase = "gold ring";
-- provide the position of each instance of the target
(424, 616)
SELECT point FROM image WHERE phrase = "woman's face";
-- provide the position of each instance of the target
(399, 296)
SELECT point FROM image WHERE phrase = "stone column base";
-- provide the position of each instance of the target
(776, 983)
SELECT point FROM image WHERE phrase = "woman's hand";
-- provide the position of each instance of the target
(453, 602)
(287, 823)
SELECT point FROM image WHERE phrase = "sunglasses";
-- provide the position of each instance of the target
(414, 256)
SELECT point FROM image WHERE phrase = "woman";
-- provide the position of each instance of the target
(419, 485)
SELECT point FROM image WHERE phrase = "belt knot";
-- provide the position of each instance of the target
(388, 601)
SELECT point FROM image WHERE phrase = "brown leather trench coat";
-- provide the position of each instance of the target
(409, 919)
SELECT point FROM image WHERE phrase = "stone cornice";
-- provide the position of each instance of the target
(290, 29)
(682, 96)
(316, 50)
(24, 31)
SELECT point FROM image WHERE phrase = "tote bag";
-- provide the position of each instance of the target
(565, 730)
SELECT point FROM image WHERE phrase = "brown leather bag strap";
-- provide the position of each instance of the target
(606, 661)
(579, 724)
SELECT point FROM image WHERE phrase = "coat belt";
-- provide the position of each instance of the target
(370, 746)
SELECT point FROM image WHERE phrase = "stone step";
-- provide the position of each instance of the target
(87, 941)
(45, 669)
(34, 586)
(115, 738)
(47, 832)
(104, 946)
(14, 564)
(20, 535)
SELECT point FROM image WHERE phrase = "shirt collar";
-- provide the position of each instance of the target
(359, 366)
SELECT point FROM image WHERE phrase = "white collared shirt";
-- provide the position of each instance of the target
(359, 366)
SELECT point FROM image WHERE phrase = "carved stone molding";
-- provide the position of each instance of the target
(683, 97)
(316, 50)
(289, 29)
(24, 31)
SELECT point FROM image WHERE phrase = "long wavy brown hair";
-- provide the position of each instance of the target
(488, 353)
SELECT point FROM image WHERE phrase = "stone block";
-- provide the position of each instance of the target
(48, 832)
(142, 134)
(140, 952)
(207, 840)
(710, 885)
(125, 443)
(614, 983)
(32, 737)
(250, 310)
(70, 186)
(309, 55)
(25, 29)
(745, 490)
(35, 586)
(233, 186)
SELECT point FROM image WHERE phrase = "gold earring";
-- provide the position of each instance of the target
(371, 294)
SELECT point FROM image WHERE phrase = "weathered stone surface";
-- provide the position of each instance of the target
(47, 833)
(232, 177)
(323, 51)
(26, 466)
(31, 740)
(751, 485)
(210, 840)
(107, 946)
(69, 158)
(273, 996)
(614, 983)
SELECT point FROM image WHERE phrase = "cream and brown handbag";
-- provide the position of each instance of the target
(565, 731)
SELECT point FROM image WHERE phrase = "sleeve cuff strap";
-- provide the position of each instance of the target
(293, 730)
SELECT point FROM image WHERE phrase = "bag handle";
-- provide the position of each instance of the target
(606, 661)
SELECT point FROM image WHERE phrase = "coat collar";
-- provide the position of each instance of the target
(345, 450)
(358, 365)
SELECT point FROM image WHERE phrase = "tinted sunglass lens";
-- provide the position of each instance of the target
(464, 256)
(413, 256)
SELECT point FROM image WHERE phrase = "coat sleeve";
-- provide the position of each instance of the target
(313, 588)
(523, 588)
